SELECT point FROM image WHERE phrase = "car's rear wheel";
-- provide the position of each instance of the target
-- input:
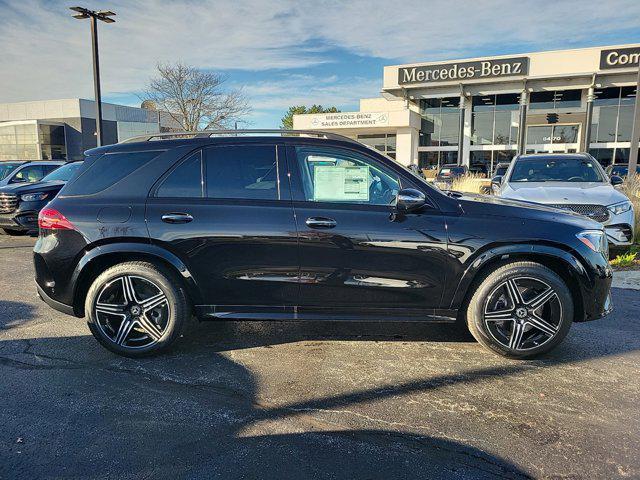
(136, 308)
(520, 310)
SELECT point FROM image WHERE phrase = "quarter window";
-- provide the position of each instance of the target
(242, 172)
(185, 181)
(331, 175)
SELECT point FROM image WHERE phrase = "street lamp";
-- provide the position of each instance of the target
(104, 16)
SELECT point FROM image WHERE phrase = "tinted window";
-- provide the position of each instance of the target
(29, 174)
(107, 170)
(331, 175)
(555, 170)
(185, 181)
(63, 173)
(247, 171)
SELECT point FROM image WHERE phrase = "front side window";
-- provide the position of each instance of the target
(556, 170)
(332, 175)
(242, 172)
(29, 174)
(185, 181)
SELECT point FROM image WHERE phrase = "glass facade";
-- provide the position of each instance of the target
(32, 141)
(52, 142)
(383, 142)
(440, 122)
(494, 120)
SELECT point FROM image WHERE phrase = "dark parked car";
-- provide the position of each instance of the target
(20, 203)
(450, 172)
(26, 171)
(300, 228)
(620, 170)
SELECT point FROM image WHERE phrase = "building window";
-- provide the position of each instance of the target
(383, 142)
(555, 100)
(52, 142)
(495, 120)
(440, 122)
(613, 115)
(432, 161)
(19, 142)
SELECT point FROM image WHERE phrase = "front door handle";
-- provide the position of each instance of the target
(320, 222)
(176, 218)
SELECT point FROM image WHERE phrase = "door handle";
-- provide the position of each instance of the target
(320, 222)
(176, 218)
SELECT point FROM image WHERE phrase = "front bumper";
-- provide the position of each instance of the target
(20, 220)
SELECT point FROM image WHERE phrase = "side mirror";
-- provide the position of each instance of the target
(410, 199)
(497, 180)
(616, 180)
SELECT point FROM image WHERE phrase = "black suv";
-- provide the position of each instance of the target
(305, 226)
(20, 203)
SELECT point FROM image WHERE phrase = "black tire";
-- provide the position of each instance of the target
(499, 335)
(173, 313)
(14, 233)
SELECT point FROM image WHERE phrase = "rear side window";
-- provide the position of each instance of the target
(108, 170)
(185, 181)
(243, 172)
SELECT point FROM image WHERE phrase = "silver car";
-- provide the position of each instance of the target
(575, 182)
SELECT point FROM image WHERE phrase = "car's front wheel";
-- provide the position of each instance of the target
(520, 310)
(136, 308)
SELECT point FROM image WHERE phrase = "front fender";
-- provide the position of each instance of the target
(572, 262)
(134, 249)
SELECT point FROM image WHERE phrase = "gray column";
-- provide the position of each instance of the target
(461, 129)
(635, 133)
(586, 137)
(522, 130)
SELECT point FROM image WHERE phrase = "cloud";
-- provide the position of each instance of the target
(46, 53)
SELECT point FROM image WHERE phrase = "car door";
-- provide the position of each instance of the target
(226, 212)
(356, 252)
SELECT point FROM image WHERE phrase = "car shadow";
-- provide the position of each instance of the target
(13, 314)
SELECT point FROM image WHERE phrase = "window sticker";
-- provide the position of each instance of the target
(339, 184)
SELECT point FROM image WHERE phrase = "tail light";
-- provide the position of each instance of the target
(51, 219)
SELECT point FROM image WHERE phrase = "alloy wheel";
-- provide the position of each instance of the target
(523, 313)
(132, 311)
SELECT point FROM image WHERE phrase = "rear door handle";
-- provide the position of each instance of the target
(320, 222)
(176, 218)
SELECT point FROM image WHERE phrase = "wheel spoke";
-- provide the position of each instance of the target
(153, 302)
(514, 292)
(541, 299)
(499, 315)
(516, 336)
(123, 331)
(542, 325)
(149, 327)
(109, 308)
(128, 290)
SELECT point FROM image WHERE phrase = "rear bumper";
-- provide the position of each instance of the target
(61, 307)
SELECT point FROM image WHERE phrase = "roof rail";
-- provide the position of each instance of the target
(231, 133)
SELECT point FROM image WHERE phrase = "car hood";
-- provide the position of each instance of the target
(24, 188)
(523, 210)
(594, 193)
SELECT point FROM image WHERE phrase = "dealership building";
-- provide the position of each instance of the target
(482, 111)
(64, 129)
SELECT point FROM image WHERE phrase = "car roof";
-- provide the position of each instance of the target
(554, 156)
(169, 141)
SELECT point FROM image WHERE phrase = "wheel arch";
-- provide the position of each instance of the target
(565, 264)
(95, 261)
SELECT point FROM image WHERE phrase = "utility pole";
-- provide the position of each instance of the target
(635, 132)
(94, 16)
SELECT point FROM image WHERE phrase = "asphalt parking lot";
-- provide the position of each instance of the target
(310, 400)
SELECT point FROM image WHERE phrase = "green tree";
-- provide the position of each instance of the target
(287, 120)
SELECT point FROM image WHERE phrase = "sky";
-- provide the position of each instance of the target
(283, 53)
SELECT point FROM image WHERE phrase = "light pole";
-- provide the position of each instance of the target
(104, 16)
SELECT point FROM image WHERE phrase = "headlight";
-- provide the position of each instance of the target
(596, 240)
(34, 197)
(618, 208)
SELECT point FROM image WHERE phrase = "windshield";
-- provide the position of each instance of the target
(6, 168)
(547, 169)
(452, 170)
(62, 174)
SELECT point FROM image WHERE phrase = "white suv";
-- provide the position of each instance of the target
(574, 181)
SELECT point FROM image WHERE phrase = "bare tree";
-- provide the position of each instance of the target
(194, 98)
